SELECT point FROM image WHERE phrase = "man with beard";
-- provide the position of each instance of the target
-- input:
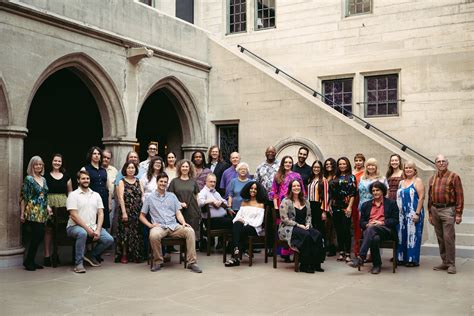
(301, 166)
(86, 215)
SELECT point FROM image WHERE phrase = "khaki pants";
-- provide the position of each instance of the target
(156, 233)
(443, 222)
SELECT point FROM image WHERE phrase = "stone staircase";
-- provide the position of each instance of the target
(464, 237)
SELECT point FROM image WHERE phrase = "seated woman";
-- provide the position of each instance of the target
(295, 228)
(249, 219)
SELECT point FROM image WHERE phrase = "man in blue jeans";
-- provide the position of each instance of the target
(86, 215)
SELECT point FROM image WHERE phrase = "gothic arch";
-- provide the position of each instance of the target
(185, 108)
(299, 141)
(100, 85)
(5, 113)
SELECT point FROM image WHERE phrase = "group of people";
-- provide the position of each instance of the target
(327, 208)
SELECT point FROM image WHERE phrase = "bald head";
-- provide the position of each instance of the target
(270, 153)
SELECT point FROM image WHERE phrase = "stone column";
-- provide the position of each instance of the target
(11, 179)
(188, 149)
(119, 148)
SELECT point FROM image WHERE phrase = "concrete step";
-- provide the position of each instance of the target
(467, 226)
(464, 239)
(428, 249)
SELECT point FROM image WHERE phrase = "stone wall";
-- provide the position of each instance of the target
(428, 43)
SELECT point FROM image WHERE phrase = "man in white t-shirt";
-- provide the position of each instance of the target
(86, 215)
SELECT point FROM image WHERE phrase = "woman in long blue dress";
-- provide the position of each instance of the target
(410, 197)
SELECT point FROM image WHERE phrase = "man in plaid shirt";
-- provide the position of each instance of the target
(445, 203)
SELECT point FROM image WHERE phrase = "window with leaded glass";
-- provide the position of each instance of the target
(149, 2)
(265, 17)
(381, 95)
(237, 16)
(228, 136)
(338, 94)
(359, 6)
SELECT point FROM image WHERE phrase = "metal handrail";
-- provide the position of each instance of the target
(315, 93)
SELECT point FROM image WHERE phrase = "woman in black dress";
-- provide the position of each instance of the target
(296, 229)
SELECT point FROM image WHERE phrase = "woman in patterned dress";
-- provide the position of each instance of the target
(343, 189)
(34, 209)
(283, 177)
(410, 197)
(199, 161)
(129, 245)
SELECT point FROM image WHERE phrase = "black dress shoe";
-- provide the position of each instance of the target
(38, 266)
(306, 268)
(30, 267)
(47, 261)
(318, 268)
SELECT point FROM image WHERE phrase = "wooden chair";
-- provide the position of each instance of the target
(251, 241)
(390, 244)
(211, 233)
(259, 240)
(171, 241)
(282, 243)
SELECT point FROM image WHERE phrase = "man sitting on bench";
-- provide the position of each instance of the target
(165, 209)
(378, 220)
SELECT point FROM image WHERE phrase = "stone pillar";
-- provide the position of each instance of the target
(188, 149)
(119, 148)
(11, 179)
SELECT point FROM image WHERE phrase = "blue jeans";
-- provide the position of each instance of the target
(80, 235)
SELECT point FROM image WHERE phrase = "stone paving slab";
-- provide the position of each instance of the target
(131, 289)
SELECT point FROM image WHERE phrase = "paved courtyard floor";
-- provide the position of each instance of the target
(131, 289)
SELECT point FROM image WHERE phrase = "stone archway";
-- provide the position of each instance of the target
(190, 121)
(290, 145)
(5, 118)
(100, 85)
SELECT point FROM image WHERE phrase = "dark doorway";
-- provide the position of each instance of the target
(63, 118)
(159, 122)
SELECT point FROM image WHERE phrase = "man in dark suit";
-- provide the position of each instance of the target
(217, 165)
(378, 220)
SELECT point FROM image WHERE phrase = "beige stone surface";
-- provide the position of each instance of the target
(117, 289)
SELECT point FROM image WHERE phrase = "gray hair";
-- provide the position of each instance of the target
(34, 161)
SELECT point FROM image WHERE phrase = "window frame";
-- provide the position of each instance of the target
(228, 18)
(339, 79)
(256, 28)
(387, 89)
(349, 14)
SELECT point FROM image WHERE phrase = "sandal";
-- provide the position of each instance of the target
(232, 262)
(341, 256)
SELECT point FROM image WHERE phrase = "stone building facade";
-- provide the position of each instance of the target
(150, 74)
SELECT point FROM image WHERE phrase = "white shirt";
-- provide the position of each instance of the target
(251, 215)
(111, 175)
(205, 195)
(148, 186)
(86, 204)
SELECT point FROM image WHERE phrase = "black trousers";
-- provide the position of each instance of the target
(221, 222)
(373, 236)
(240, 234)
(316, 220)
(34, 232)
(342, 224)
